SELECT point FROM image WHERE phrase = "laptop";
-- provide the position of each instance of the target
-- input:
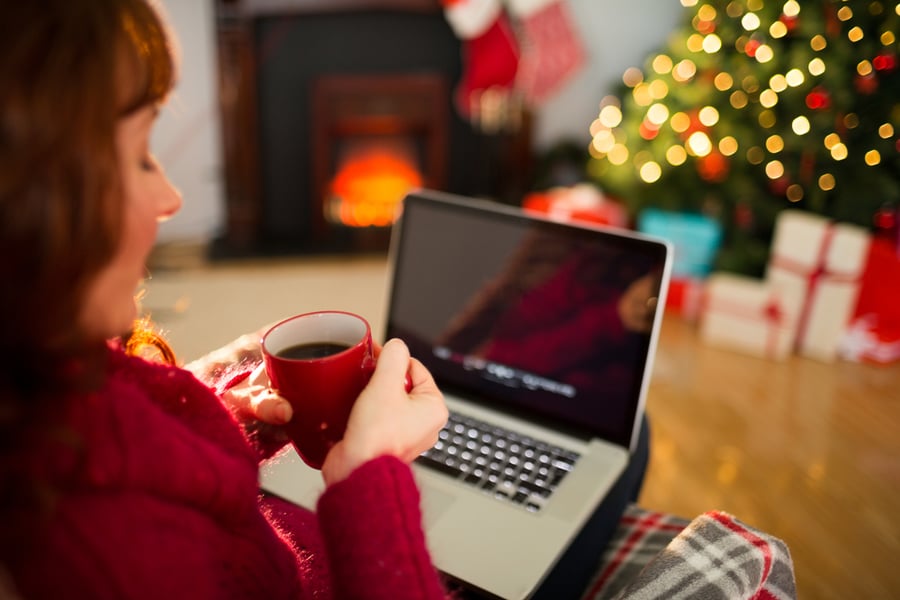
(541, 335)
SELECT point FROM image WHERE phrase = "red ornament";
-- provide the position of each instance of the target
(713, 167)
(818, 99)
(866, 84)
(779, 186)
(885, 220)
(885, 62)
(751, 48)
(789, 22)
(648, 130)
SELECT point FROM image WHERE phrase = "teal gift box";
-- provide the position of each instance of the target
(695, 238)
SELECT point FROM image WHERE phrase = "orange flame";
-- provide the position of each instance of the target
(369, 186)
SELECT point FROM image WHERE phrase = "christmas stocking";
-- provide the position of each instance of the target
(490, 51)
(551, 49)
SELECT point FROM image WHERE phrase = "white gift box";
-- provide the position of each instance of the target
(817, 263)
(748, 315)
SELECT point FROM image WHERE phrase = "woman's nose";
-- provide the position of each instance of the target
(169, 200)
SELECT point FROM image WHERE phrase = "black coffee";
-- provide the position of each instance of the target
(311, 350)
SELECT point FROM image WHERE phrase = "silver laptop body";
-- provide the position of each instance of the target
(519, 319)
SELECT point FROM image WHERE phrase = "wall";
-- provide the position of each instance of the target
(616, 34)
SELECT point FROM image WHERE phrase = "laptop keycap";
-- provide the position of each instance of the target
(509, 466)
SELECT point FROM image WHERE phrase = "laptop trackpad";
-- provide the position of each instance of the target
(434, 504)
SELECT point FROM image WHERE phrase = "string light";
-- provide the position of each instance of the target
(667, 136)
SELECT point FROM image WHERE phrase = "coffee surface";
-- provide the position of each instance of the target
(312, 350)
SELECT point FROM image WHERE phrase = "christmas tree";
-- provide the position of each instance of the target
(756, 106)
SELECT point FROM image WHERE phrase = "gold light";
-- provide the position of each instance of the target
(873, 158)
(855, 34)
(709, 116)
(728, 146)
(604, 141)
(774, 169)
(750, 21)
(800, 125)
(794, 77)
(658, 114)
(712, 43)
(839, 151)
(886, 131)
(764, 53)
(778, 83)
(818, 43)
(832, 140)
(659, 89)
(695, 43)
(650, 172)
(723, 81)
(864, 68)
(774, 144)
(618, 155)
(845, 13)
(826, 182)
(632, 77)
(816, 67)
(680, 122)
(767, 119)
(662, 64)
(699, 144)
(676, 155)
(888, 38)
(778, 30)
(610, 116)
(794, 193)
(791, 8)
(684, 71)
(738, 99)
(768, 98)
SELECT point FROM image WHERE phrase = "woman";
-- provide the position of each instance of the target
(125, 478)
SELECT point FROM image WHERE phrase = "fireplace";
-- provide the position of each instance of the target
(332, 110)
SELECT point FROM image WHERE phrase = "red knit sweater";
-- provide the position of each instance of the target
(164, 503)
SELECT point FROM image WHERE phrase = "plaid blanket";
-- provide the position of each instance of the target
(715, 556)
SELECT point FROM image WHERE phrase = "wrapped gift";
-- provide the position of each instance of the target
(818, 265)
(685, 296)
(874, 333)
(748, 315)
(581, 202)
(695, 239)
(867, 339)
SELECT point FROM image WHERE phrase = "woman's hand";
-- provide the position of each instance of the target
(386, 420)
(253, 400)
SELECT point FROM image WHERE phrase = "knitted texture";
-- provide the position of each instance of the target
(158, 497)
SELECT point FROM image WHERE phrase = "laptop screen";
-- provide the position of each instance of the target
(533, 316)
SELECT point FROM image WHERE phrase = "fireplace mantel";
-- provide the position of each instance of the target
(253, 8)
(273, 54)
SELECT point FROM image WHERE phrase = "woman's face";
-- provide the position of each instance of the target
(149, 198)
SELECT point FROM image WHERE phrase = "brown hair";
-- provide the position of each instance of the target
(69, 70)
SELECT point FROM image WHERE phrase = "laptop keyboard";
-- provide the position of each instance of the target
(505, 464)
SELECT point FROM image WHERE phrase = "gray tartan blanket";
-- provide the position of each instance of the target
(713, 557)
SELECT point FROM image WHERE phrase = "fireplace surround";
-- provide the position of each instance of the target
(302, 81)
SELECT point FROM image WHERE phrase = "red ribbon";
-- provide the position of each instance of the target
(771, 313)
(813, 278)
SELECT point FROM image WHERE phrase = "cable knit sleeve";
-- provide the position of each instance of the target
(372, 528)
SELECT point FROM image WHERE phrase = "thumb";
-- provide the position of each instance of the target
(393, 363)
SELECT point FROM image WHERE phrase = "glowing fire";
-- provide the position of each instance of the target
(370, 183)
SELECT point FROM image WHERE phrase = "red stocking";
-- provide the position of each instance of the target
(551, 49)
(490, 51)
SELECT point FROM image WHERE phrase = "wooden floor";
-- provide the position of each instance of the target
(806, 451)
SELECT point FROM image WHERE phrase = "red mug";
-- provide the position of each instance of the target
(319, 362)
